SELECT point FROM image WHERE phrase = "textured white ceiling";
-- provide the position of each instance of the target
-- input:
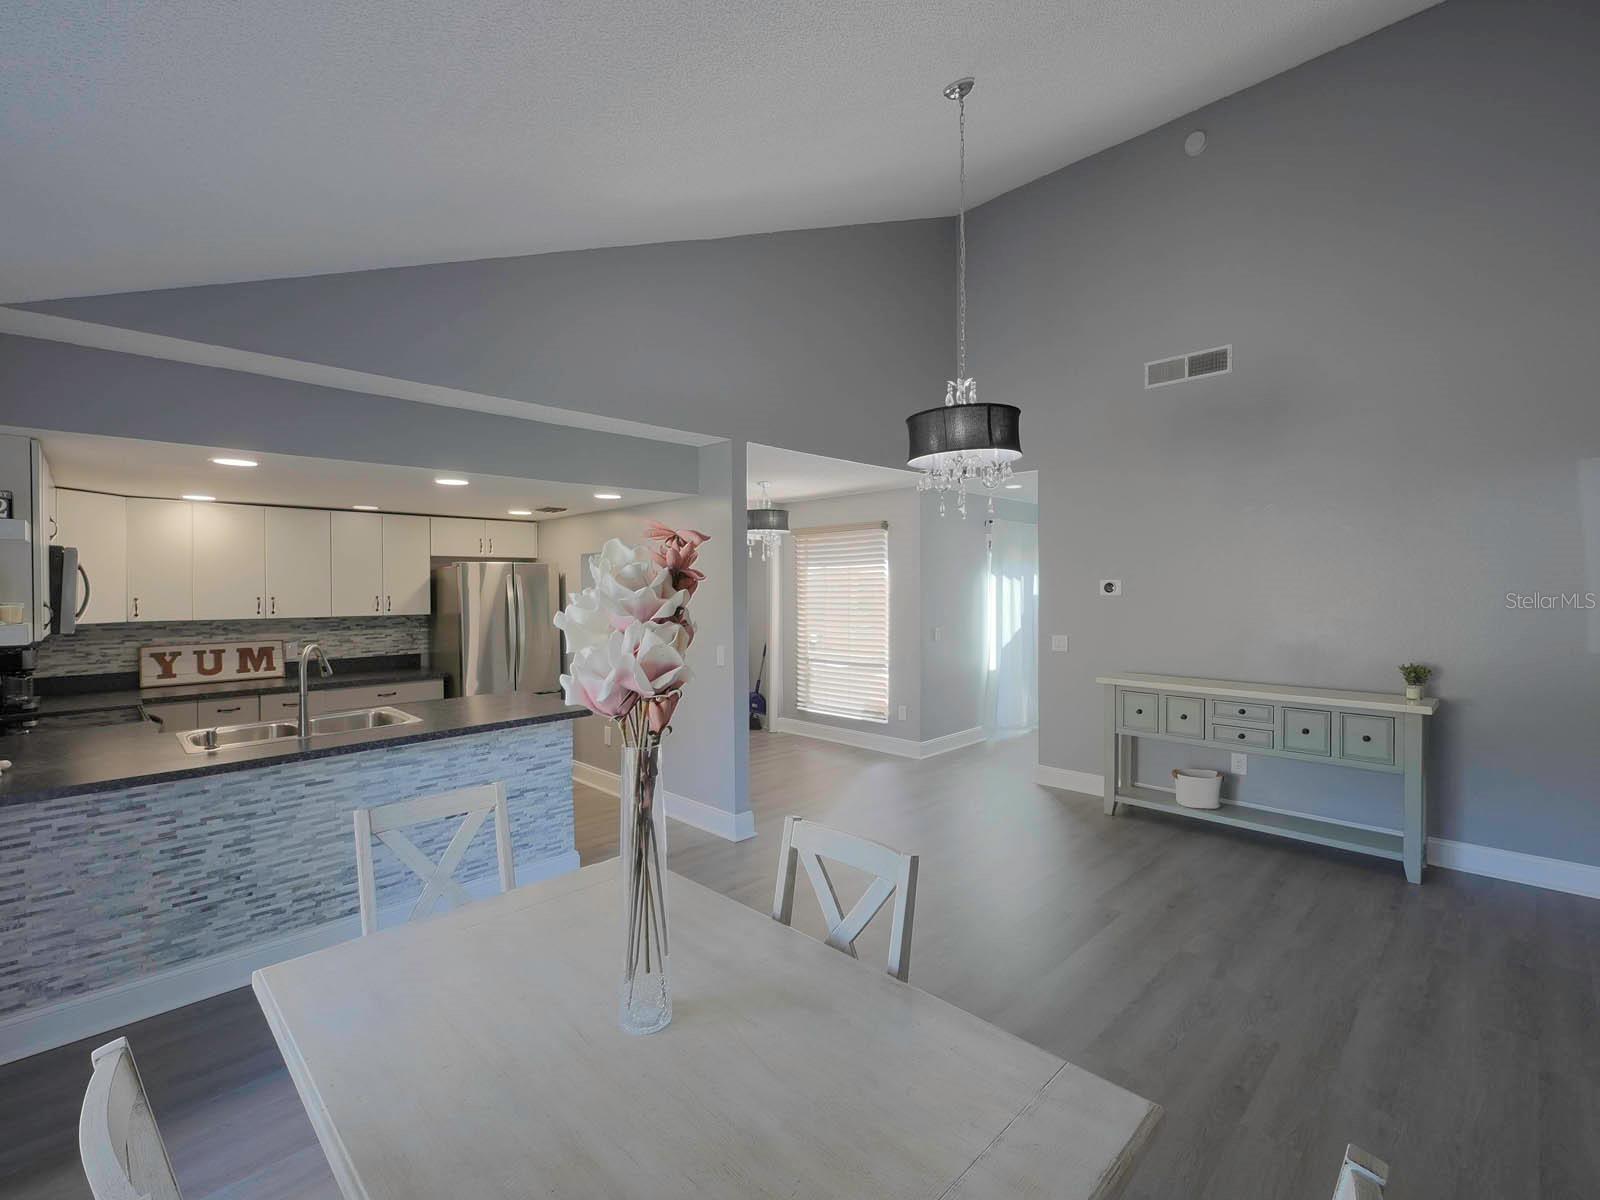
(150, 144)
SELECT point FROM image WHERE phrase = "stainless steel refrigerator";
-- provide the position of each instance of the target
(492, 630)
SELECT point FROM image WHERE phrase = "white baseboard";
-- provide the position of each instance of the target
(736, 827)
(1072, 781)
(1556, 874)
(862, 740)
(596, 777)
(99, 1012)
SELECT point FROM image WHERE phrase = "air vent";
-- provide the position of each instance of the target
(1218, 361)
(550, 508)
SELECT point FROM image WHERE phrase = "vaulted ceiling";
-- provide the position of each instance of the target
(153, 145)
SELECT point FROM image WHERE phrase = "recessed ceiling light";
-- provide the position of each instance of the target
(235, 462)
(1013, 487)
(520, 512)
(448, 481)
(608, 495)
(196, 496)
(365, 507)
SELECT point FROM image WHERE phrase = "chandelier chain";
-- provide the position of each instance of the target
(961, 251)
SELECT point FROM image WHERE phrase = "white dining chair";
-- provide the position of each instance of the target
(121, 1148)
(385, 822)
(806, 843)
(1362, 1176)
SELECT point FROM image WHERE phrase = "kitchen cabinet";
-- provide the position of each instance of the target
(235, 710)
(299, 562)
(457, 537)
(406, 565)
(230, 556)
(160, 560)
(511, 539)
(175, 716)
(332, 700)
(357, 567)
(97, 524)
(281, 706)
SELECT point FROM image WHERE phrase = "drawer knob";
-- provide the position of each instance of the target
(1241, 712)
(1241, 737)
(1138, 712)
(1306, 732)
(1183, 716)
(1366, 737)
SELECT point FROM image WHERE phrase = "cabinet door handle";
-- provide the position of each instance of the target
(258, 606)
(480, 545)
(388, 604)
(235, 708)
(386, 695)
(136, 606)
(491, 545)
(273, 605)
(376, 606)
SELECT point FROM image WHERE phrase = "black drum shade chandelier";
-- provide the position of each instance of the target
(964, 441)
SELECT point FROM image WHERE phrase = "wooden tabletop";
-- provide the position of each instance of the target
(478, 1055)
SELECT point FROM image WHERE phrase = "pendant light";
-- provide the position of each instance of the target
(765, 525)
(963, 441)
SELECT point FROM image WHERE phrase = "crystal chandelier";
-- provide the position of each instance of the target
(964, 441)
(765, 525)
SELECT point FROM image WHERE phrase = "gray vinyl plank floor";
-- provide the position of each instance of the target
(1278, 1000)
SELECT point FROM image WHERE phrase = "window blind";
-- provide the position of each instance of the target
(842, 621)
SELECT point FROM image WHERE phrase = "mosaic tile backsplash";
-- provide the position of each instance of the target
(105, 649)
(100, 889)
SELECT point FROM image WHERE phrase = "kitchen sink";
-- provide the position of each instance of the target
(361, 718)
(232, 737)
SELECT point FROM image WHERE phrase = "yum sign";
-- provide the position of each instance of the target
(209, 662)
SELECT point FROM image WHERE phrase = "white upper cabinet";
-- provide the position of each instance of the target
(357, 564)
(511, 539)
(160, 560)
(230, 557)
(406, 566)
(299, 562)
(458, 537)
(97, 524)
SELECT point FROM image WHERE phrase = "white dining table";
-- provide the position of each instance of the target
(477, 1055)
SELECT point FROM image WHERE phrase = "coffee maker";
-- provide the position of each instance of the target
(19, 707)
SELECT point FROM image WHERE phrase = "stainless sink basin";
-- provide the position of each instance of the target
(231, 737)
(361, 718)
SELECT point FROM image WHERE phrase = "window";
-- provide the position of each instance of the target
(842, 621)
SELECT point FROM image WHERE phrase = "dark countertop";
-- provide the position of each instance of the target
(85, 702)
(74, 760)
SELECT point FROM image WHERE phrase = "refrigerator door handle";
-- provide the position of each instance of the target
(511, 627)
(521, 628)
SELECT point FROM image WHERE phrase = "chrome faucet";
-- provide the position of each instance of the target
(310, 650)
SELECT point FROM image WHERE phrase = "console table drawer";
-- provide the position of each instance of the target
(1237, 735)
(1186, 716)
(1242, 710)
(1139, 710)
(1308, 730)
(1369, 739)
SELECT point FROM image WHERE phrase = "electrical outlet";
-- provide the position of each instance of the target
(1111, 587)
(607, 728)
(902, 712)
(1240, 763)
(722, 656)
(291, 650)
(1058, 643)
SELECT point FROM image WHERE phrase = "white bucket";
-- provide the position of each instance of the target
(1198, 788)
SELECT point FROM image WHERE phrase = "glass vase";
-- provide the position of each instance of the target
(646, 995)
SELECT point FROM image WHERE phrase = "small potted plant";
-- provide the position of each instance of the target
(1415, 675)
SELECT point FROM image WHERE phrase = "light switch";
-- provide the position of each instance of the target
(938, 633)
(902, 711)
(1058, 643)
(607, 728)
(1240, 762)
(722, 656)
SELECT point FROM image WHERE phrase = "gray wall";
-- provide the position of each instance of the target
(51, 385)
(705, 758)
(1400, 241)
(955, 561)
(819, 340)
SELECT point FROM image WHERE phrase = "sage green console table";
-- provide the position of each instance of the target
(1372, 731)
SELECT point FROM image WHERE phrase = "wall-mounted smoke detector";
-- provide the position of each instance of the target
(1188, 366)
